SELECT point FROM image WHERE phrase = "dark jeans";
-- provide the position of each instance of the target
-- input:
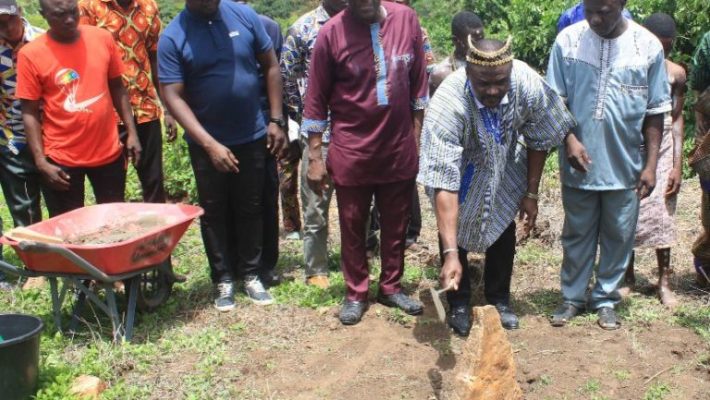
(270, 253)
(414, 227)
(497, 272)
(108, 182)
(20, 185)
(150, 166)
(233, 225)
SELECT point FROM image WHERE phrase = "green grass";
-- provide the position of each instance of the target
(657, 391)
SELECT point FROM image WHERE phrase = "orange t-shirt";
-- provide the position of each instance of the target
(79, 127)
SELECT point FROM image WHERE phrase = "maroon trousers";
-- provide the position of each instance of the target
(394, 201)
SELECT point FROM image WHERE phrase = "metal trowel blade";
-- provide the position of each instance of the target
(440, 311)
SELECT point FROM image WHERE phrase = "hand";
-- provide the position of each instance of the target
(54, 176)
(133, 148)
(577, 154)
(528, 209)
(647, 182)
(317, 176)
(276, 140)
(451, 271)
(222, 158)
(674, 180)
(171, 129)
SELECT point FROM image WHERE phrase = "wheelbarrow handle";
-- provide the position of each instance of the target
(11, 269)
(39, 247)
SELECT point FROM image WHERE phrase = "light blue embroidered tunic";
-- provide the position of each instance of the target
(480, 153)
(611, 85)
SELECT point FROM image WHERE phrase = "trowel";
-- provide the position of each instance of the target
(435, 297)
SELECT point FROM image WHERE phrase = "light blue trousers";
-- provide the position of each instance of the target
(603, 219)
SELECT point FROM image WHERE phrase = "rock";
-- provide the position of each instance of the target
(34, 283)
(87, 387)
(487, 364)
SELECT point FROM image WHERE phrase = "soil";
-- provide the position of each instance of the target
(288, 352)
(117, 231)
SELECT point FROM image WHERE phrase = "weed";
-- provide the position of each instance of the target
(622, 375)
(591, 386)
(657, 391)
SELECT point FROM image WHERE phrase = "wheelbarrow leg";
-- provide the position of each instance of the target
(131, 309)
(78, 310)
(56, 303)
(113, 311)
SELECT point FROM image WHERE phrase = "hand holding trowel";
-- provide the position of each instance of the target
(440, 312)
(450, 277)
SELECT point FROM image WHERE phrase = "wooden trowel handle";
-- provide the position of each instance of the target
(19, 234)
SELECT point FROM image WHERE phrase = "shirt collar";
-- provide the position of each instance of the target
(480, 105)
(133, 4)
(197, 17)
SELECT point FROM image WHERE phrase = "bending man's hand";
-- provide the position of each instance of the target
(528, 210)
(451, 271)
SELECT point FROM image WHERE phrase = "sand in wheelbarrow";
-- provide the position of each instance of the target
(117, 231)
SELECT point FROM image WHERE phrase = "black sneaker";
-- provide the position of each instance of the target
(256, 292)
(224, 298)
(401, 301)
(352, 311)
(459, 320)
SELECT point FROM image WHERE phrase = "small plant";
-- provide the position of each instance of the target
(657, 391)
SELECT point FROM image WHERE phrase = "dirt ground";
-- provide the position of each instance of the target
(291, 352)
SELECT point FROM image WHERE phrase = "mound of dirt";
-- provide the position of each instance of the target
(117, 231)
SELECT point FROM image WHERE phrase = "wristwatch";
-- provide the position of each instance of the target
(280, 122)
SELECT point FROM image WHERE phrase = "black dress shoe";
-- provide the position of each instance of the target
(507, 317)
(459, 320)
(401, 301)
(608, 319)
(564, 313)
(352, 311)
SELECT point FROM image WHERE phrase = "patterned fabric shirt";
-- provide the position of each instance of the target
(136, 30)
(296, 60)
(611, 85)
(480, 152)
(700, 73)
(12, 135)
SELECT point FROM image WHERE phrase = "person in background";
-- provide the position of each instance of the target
(209, 59)
(295, 63)
(69, 81)
(465, 24)
(700, 82)
(18, 175)
(270, 251)
(376, 105)
(135, 26)
(486, 136)
(613, 74)
(656, 224)
(575, 14)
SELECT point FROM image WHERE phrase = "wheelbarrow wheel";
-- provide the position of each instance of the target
(154, 289)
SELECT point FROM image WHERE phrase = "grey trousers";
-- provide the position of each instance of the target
(315, 219)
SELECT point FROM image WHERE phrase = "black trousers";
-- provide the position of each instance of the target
(414, 227)
(108, 182)
(232, 226)
(498, 270)
(270, 252)
(150, 166)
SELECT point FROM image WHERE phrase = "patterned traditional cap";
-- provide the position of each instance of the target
(9, 7)
(501, 56)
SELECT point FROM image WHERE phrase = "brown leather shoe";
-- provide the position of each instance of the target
(320, 281)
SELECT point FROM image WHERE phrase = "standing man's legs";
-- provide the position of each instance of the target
(20, 185)
(150, 167)
(619, 214)
(109, 181)
(60, 201)
(288, 187)
(414, 228)
(580, 237)
(315, 224)
(497, 275)
(270, 251)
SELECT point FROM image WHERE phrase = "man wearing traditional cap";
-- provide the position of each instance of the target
(368, 69)
(612, 73)
(486, 135)
(18, 176)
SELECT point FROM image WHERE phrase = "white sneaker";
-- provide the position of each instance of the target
(224, 298)
(256, 292)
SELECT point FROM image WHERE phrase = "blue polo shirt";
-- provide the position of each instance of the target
(215, 58)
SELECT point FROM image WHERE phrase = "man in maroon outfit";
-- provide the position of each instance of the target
(368, 68)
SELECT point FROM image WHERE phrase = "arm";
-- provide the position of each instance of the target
(222, 158)
(170, 127)
(119, 96)
(652, 134)
(446, 208)
(678, 128)
(528, 206)
(418, 120)
(276, 137)
(54, 176)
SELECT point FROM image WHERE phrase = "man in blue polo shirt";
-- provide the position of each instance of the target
(209, 58)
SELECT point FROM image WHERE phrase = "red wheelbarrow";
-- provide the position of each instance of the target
(103, 244)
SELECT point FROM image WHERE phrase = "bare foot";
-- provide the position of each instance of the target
(667, 297)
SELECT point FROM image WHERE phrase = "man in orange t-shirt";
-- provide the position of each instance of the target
(75, 74)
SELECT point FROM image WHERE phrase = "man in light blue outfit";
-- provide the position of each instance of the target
(612, 72)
